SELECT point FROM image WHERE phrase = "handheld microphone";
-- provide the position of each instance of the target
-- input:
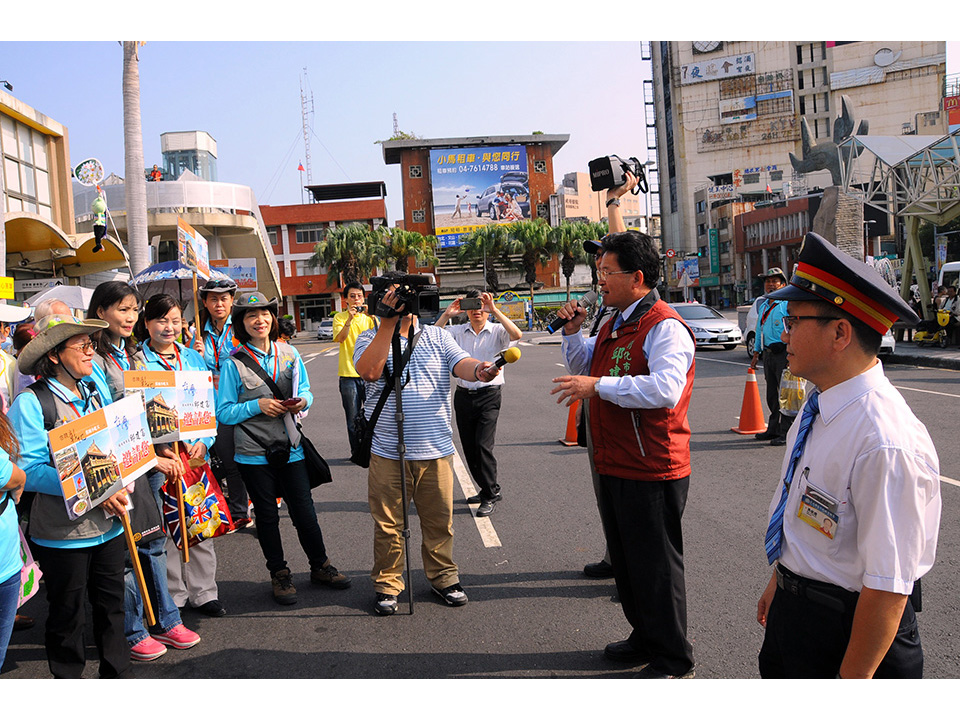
(510, 355)
(585, 301)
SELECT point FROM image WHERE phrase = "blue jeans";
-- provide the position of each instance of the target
(153, 561)
(9, 595)
(352, 392)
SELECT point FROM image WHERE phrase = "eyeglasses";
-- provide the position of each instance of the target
(84, 348)
(602, 274)
(790, 320)
(214, 284)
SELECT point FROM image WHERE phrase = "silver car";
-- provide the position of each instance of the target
(709, 327)
(325, 329)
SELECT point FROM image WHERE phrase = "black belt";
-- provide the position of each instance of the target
(478, 390)
(829, 596)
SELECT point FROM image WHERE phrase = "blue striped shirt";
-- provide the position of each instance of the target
(427, 431)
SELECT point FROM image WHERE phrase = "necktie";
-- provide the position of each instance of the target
(775, 530)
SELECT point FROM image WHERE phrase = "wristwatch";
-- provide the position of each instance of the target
(615, 201)
(596, 386)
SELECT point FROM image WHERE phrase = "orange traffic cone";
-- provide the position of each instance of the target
(751, 412)
(571, 437)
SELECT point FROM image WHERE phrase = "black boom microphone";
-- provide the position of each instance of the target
(587, 300)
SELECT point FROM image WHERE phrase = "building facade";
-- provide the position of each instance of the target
(729, 115)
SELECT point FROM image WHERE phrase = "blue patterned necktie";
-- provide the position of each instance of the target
(774, 535)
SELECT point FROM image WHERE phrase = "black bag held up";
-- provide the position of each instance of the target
(318, 471)
(145, 521)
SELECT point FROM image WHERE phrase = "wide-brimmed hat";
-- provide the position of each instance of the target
(217, 286)
(824, 272)
(773, 272)
(53, 330)
(252, 301)
(14, 313)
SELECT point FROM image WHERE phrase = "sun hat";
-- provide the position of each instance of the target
(217, 286)
(53, 330)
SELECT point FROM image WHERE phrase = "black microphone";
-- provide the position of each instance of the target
(585, 301)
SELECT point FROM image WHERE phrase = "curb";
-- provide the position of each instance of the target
(934, 361)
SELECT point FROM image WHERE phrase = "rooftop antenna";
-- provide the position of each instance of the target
(306, 110)
(396, 126)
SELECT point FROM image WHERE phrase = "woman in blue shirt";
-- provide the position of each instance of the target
(245, 400)
(118, 305)
(12, 479)
(82, 557)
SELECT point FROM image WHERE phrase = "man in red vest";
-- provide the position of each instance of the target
(637, 375)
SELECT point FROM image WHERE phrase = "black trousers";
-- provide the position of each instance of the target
(228, 473)
(805, 639)
(265, 484)
(477, 414)
(774, 363)
(641, 521)
(70, 576)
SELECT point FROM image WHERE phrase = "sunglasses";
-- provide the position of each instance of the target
(219, 284)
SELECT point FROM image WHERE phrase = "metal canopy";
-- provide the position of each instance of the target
(908, 176)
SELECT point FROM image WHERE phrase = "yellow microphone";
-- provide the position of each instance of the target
(510, 355)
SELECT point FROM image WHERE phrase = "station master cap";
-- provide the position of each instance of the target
(826, 273)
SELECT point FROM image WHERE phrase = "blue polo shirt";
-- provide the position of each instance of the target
(10, 562)
(769, 324)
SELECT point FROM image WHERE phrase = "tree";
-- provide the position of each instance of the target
(530, 240)
(351, 251)
(135, 184)
(486, 245)
(566, 240)
(400, 245)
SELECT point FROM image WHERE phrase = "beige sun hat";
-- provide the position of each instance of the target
(51, 331)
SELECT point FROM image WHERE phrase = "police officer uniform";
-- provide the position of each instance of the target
(767, 341)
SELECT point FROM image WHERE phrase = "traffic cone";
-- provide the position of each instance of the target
(571, 437)
(751, 412)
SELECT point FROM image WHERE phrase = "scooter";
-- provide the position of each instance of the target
(938, 336)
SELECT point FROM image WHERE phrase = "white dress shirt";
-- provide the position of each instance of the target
(485, 345)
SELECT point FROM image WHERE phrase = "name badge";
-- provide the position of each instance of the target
(818, 509)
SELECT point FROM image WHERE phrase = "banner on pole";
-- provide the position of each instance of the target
(178, 405)
(192, 249)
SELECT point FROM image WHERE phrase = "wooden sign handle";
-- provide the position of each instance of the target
(138, 570)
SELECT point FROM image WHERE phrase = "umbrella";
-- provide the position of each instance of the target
(76, 297)
(172, 278)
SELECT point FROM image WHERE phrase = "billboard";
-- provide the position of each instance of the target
(477, 186)
(243, 271)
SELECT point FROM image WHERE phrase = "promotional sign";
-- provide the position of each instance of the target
(714, 244)
(477, 186)
(688, 272)
(717, 68)
(178, 405)
(192, 249)
(97, 454)
(6, 288)
(512, 305)
(243, 271)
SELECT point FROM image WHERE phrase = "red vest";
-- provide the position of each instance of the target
(630, 443)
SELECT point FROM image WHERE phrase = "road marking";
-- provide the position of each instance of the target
(309, 360)
(332, 351)
(950, 480)
(528, 344)
(701, 358)
(312, 355)
(484, 526)
(929, 392)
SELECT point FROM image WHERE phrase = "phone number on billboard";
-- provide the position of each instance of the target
(491, 167)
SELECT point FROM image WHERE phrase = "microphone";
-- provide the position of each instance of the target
(585, 301)
(510, 355)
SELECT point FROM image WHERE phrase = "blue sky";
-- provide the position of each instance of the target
(246, 94)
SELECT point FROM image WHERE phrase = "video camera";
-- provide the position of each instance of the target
(611, 171)
(416, 294)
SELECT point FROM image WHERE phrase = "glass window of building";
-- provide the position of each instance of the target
(25, 172)
(309, 234)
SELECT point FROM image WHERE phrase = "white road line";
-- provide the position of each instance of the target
(309, 360)
(929, 392)
(484, 526)
(312, 355)
(332, 351)
(701, 358)
(525, 343)
(950, 480)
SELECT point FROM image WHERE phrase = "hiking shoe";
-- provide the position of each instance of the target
(385, 604)
(452, 595)
(283, 590)
(179, 637)
(146, 650)
(331, 577)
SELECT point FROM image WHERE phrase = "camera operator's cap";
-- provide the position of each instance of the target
(774, 272)
(824, 272)
(254, 301)
(592, 247)
(51, 331)
(217, 286)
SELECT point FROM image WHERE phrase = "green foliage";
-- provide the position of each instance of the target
(400, 245)
(353, 251)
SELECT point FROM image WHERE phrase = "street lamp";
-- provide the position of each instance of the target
(7, 84)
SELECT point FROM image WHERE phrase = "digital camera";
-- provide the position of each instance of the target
(471, 303)
(611, 171)
(416, 295)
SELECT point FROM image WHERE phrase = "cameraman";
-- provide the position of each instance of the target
(347, 326)
(429, 447)
(477, 404)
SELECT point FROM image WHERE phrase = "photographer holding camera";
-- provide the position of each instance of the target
(477, 404)
(347, 326)
(428, 437)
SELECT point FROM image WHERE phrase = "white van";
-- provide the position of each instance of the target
(949, 274)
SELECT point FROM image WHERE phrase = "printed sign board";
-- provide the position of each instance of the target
(178, 405)
(192, 249)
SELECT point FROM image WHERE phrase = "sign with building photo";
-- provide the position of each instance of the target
(178, 405)
(192, 249)
(477, 186)
(97, 454)
(717, 68)
(243, 271)
(688, 272)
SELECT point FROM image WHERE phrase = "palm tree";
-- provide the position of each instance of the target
(530, 240)
(566, 240)
(486, 245)
(400, 245)
(351, 252)
(135, 184)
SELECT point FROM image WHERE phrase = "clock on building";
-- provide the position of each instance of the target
(705, 46)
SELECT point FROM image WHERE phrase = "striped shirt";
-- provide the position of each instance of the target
(427, 431)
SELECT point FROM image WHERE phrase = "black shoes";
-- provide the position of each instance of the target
(212, 608)
(385, 604)
(765, 435)
(486, 504)
(777, 441)
(479, 499)
(601, 569)
(624, 652)
(649, 673)
(453, 595)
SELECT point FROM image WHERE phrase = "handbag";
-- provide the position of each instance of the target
(29, 574)
(145, 521)
(318, 471)
(204, 506)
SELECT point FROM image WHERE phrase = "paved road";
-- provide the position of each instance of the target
(532, 614)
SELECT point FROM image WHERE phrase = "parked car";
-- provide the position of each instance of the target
(709, 326)
(888, 345)
(485, 200)
(749, 328)
(325, 329)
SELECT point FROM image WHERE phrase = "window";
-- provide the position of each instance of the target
(418, 216)
(309, 234)
(751, 178)
(416, 171)
(303, 268)
(25, 168)
(272, 236)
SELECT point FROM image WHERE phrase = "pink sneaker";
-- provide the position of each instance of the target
(179, 637)
(146, 650)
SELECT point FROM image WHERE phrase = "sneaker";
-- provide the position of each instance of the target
(283, 590)
(474, 499)
(486, 508)
(452, 595)
(146, 650)
(331, 577)
(213, 608)
(385, 604)
(179, 637)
